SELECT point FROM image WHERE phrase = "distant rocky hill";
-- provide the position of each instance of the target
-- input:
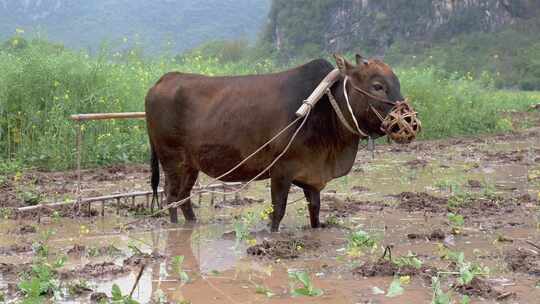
(86, 24)
(309, 27)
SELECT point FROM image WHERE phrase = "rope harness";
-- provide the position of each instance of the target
(401, 124)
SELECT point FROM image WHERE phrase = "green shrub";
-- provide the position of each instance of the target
(43, 84)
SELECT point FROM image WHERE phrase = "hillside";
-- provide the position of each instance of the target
(302, 27)
(474, 36)
(86, 24)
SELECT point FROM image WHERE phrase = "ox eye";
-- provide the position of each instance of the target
(378, 87)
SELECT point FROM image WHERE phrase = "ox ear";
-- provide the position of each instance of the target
(343, 65)
(360, 60)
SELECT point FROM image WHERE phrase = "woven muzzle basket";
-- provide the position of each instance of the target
(402, 124)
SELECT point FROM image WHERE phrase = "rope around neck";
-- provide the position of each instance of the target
(340, 115)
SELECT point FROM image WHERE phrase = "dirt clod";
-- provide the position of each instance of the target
(416, 163)
(435, 235)
(479, 287)
(474, 183)
(142, 258)
(76, 250)
(98, 297)
(523, 260)
(26, 229)
(384, 267)
(421, 201)
(99, 270)
(15, 249)
(282, 249)
(239, 201)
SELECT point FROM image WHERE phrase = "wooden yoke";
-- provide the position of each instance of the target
(319, 91)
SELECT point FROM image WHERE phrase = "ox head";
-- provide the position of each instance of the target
(375, 95)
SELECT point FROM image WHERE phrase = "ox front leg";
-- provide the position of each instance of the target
(313, 197)
(280, 191)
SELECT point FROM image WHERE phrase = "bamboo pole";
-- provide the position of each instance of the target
(112, 197)
(103, 116)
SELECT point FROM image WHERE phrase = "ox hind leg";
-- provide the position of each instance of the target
(280, 191)
(179, 184)
(313, 196)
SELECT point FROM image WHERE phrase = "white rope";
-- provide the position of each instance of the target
(350, 108)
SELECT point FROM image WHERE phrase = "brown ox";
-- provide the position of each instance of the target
(210, 124)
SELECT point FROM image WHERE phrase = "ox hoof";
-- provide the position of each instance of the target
(317, 225)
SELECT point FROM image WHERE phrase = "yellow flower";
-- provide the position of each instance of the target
(84, 230)
(56, 83)
(405, 280)
(19, 31)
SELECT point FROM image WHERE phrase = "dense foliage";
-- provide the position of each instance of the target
(41, 84)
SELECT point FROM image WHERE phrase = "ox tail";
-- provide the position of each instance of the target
(154, 180)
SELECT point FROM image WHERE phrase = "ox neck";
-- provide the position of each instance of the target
(352, 125)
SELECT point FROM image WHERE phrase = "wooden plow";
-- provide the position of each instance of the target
(129, 198)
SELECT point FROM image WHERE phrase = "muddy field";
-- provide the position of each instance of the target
(419, 223)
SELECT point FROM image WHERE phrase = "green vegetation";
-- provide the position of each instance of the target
(306, 287)
(119, 298)
(395, 288)
(408, 260)
(42, 84)
(511, 56)
(177, 265)
(41, 281)
(360, 241)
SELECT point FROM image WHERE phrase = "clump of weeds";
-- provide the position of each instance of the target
(359, 242)
(441, 297)
(79, 287)
(41, 281)
(243, 224)
(301, 285)
(456, 222)
(409, 260)
(177, 266)
(119, 298)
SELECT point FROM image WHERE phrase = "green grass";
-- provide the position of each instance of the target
(42, 84)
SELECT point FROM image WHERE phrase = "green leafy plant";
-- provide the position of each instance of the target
(177, 265)
(301, 285)
(242, 226)
(134, 249)
(41, 282)
(261, 289)
(439, 296)
(118, 298)
(6, 213)
(456, 222)
(359, 241)
(467, 271)
(408, 260)
(395, 288)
